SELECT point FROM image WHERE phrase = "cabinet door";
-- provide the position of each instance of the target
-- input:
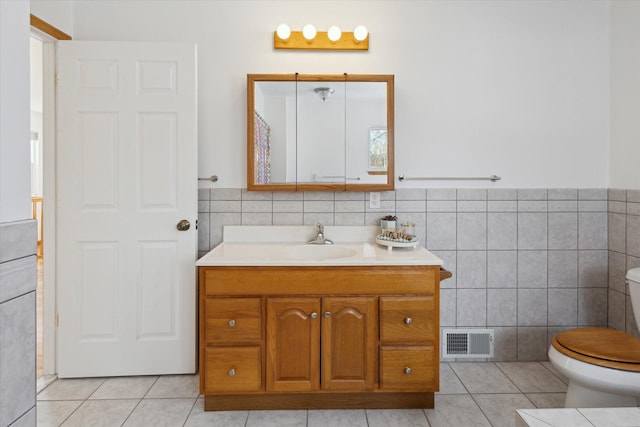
(293, 344)
(349, 340)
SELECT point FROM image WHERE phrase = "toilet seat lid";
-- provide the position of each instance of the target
(600, 343)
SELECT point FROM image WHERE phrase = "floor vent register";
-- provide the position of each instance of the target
(467, 343)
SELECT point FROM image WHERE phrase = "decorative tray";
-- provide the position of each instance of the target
(396, 243)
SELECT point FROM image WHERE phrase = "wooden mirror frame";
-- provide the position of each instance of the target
(344, 186)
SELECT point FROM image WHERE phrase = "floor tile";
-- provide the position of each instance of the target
(557, 373)
(532, 377)
(547, 400)
(497, 392)
(483, 378)
(449, 382)
(500, 409)
(456, 411)
(98, 413)
(337, 418)
(397, 418)
(124, 388)
(160, 413)
(201, 418)
(277, 418)
(175, 386)
(71, 389)
(53, 413)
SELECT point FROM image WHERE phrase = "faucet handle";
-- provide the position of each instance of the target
(320, 228)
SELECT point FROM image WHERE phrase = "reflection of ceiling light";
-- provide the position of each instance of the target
(324, 92)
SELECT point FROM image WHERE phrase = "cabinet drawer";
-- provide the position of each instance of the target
(407, 319)
(232, 320)
(408, 368)
(229, 369)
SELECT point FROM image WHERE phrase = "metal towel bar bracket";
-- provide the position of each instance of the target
(492, 178)
(212, 178)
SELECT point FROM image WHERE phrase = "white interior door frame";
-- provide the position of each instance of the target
(49, 205)
(49, 201)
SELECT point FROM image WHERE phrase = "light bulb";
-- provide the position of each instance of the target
(334, 33)
(283, 31)
(309, 32)
(360, 33)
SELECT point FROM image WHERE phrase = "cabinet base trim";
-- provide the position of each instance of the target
(350, 400)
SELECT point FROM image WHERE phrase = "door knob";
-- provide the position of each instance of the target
(183, 225)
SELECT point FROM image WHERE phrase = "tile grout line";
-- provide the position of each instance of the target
(186, 420)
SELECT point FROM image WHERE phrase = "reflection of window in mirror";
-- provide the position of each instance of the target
(377, 151)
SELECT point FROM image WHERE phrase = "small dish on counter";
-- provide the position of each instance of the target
(391, 243)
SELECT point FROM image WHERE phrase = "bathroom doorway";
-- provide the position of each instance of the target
(37, 168)
(42, 72)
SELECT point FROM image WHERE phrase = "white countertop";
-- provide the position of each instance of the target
(287, 246)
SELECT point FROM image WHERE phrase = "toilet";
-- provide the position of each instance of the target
(602, 365)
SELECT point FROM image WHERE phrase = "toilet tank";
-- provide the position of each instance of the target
(633, 276)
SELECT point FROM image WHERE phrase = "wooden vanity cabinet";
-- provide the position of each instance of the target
(319, 337)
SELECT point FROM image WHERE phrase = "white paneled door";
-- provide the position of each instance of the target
(126, 175)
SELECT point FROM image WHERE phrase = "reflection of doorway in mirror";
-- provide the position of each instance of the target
(377, 149)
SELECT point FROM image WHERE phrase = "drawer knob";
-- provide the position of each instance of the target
(314, 315)
(407, 371)
(232, 372)
(231, 323)
(327, 314)
(408, 320)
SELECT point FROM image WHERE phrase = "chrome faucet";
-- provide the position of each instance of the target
(320, 239)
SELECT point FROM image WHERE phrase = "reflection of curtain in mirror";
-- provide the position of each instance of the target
(262, 152)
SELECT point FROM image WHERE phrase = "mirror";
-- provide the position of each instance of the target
(319, 132)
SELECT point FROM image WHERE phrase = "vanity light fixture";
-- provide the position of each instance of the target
(334, 33)
(309, 32)
(309, 38)
(324, 92)
(360, 33)
(283, 31)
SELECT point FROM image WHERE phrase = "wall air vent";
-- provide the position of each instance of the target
(467, 343)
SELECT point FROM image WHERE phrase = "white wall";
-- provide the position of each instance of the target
(15, 173)
(625, 95)
(515, 88)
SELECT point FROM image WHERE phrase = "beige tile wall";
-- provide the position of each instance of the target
(624, 254)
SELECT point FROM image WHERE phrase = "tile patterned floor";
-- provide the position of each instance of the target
(471, 394)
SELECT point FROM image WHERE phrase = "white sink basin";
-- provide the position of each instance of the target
(318, 252)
